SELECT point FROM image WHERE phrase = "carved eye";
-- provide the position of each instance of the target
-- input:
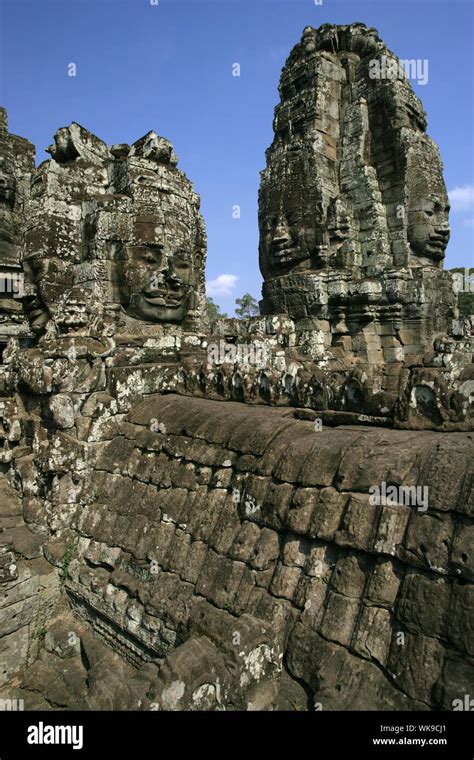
(428, 212)
(182, 260)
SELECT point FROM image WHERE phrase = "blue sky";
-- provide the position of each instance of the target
(168, 67)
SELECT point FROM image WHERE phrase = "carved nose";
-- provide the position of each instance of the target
(281, 237)
(156, 282)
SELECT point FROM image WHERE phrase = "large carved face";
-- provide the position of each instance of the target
(160, 277)
(428, 227)
(288, 228)
(428, 204)
(287, 239)
(53, 294)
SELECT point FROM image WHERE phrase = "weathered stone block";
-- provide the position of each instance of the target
(339, 618)
(373, 635)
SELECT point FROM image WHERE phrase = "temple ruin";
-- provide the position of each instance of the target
(186, 528)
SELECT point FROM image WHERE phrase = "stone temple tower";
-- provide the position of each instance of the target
(353, 209)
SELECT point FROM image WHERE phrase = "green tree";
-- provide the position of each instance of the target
(247, 306)
(213, 310)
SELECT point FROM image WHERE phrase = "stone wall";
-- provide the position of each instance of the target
(237, 522)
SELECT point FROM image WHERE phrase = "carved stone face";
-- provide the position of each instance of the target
(428, 227)
(55, 295)
(159, 279)
(289, 222)
(288, 240)
(140, 245)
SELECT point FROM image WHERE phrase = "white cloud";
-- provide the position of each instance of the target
(223, 285)
(462, 198)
